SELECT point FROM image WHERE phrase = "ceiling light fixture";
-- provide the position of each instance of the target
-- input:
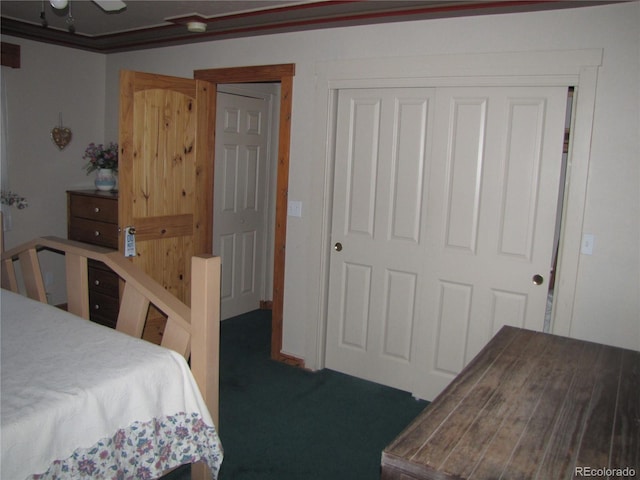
(197, 27)
(106, 5)
(59, 4)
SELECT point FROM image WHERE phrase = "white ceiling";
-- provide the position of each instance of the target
(145, 24)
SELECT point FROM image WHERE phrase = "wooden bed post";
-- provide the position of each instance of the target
(205, 328)
(205, 337)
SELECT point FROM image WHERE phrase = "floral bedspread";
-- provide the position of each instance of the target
(79, 400)
(143, 451)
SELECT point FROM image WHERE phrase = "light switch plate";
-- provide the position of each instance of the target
(294, 208)
(587, 244)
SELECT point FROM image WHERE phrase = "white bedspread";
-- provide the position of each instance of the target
(79, 397)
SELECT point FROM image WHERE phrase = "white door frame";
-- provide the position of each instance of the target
(578, 68)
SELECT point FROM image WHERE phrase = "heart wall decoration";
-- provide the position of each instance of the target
(61, 135)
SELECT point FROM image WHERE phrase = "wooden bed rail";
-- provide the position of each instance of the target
(193, 332)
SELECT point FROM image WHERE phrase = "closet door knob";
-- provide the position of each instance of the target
(337, 247)
(538, 279)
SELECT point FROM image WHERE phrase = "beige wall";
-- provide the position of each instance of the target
(607, 303)
(50, 81)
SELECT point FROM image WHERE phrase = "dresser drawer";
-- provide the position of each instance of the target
(93, 208)
(103, 280)
(97, 233)
(103, 308)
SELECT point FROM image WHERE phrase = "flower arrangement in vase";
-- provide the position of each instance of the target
(103, 160)
(10, 198)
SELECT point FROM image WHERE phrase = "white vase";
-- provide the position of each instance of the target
(105, 179)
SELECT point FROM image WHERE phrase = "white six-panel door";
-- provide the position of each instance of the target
(445, 206)
(382, 151)
(492, 211)
(239, 200)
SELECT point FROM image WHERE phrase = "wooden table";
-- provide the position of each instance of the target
(530, 405)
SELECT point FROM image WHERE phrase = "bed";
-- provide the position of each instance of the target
(79, 400)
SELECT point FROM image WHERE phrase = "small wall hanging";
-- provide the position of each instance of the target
(61, 135)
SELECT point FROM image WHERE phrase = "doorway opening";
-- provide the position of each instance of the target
(548, 317)
(243, 194)
(282, 74)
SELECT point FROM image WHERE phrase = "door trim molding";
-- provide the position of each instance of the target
(577, 68)
(284, 74)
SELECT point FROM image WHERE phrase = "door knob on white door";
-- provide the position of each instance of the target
(538, 279)
(337, 247)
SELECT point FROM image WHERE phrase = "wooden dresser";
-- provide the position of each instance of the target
(530, 405)
(92, 217)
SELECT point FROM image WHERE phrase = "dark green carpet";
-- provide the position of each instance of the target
(281, 422)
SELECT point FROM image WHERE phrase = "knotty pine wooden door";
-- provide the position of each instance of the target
(166, 173)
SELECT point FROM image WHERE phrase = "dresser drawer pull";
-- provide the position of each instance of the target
(96, 307)
(97, 282)
(97, 209)
(96, 233)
